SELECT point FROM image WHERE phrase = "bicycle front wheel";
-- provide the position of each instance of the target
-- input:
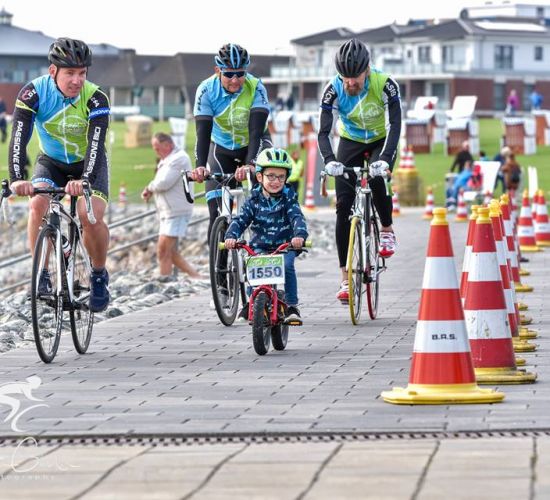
(47, 294)
(356, 269)
(224, 274)
(261, 327)
(374, 266)
(82, 319)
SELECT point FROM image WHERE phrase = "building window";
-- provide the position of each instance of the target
(448, 54)
(499, 96)
(425, 54)
(539, 53)
(504, 57)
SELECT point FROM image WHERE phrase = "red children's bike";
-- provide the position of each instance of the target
(267, 306)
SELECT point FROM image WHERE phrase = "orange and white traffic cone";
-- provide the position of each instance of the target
(122, 199)
(542, 227)
(526, 232)
(412, 166)
(535, 206)
(486, 314)
(441, 368)
(309, 201)
(511, 244)
(429, 210)
(396, 207)
(461, 209)
(520, 344)
(468, 251)
(403, 158)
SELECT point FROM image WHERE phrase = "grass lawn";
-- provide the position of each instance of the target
(135, 167)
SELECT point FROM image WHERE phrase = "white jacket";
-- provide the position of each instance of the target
(167, 186)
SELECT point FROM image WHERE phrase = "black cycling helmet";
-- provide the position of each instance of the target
(352, 58)
(70, 53)
(232, 56)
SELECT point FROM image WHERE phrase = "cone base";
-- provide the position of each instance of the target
(461, 219)
(521, 345)
(520, 361)
(522, 306)
(408, 171)
(441, 394)
(527, 333)
(525, 320)
(427, 217)
(543, 243)
(520, 287)
(504, 376)
(524, 272)
(530, 248)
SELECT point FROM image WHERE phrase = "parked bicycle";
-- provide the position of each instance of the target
(267, 306)
(364, 263)
(60, 277)
(226, 266)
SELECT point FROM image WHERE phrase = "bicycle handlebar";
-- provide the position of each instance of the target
(61, 190)
(281, 248)
(347, 170)
(222, 178)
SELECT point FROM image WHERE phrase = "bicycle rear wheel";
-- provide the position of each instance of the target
(356, 268)
(261, 327)
(47, 295)
(375, 264)
(224, 274)
(82, 319)
(279, 333)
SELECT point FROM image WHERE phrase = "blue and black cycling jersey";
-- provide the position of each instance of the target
(70, 130)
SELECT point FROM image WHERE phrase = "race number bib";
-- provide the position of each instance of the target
(266, 270)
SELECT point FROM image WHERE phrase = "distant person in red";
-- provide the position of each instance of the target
(475, 182)
(430, 105)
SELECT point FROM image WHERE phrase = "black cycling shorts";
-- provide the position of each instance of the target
(56, 174)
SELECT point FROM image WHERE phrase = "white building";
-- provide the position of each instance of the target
(486, 51)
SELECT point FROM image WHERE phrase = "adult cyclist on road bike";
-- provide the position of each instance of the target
(369, 109)
(71, 115)
(231, 111)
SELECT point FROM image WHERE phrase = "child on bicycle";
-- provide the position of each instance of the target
(273, 213)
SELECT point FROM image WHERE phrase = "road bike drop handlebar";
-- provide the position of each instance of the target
(61, 190)
(283, 248)
(219, 177)
(347, 170)
(4, 195)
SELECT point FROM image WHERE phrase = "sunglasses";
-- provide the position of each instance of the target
(231, 74)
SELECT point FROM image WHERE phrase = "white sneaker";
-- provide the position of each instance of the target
(343, 293)
(388, 244)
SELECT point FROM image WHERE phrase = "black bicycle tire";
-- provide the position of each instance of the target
(47, 233)
(373, 262)
(355, 272)
(261, 333)
(80, 346)
(227, 318)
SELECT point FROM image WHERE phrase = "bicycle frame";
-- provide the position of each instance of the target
(270, 290)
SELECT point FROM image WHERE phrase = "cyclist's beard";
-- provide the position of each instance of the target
(352, 91)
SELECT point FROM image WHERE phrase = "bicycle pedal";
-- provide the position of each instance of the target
(294, 322)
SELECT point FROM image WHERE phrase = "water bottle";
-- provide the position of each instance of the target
(66, 246)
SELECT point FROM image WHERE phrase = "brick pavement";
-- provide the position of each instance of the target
(175, 369)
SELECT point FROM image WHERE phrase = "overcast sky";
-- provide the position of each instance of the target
(168, 27)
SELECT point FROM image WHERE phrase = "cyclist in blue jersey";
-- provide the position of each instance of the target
(231, 111)
(369, 109)
(71, 116)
